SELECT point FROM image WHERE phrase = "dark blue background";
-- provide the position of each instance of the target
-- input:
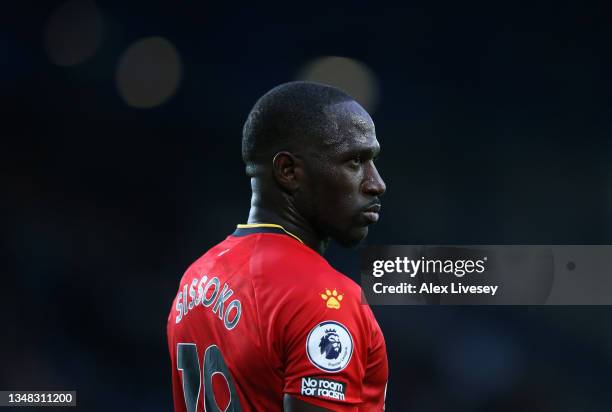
(494, 121)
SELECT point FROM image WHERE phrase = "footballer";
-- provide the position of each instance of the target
(262, 322)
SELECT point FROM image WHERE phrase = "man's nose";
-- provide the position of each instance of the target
(373, 184)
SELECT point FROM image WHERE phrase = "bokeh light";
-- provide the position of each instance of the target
(73, 32)
(350, 75)
(149, 72)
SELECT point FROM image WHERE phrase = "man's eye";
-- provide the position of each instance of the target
(356, 161)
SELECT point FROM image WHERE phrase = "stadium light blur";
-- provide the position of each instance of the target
(149, 72)
(73, 32)
(350, 75)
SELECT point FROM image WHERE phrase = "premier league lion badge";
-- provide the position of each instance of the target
(329, 346)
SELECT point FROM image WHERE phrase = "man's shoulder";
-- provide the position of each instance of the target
(278, 255)
(289, 268)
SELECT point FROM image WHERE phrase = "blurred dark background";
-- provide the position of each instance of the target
(121, 125)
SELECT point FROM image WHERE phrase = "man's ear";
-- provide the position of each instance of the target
(287, 170)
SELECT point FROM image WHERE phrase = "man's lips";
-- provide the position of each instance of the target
(372, 213)
(374, 208)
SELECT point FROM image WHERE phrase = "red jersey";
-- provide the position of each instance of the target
(261, 315)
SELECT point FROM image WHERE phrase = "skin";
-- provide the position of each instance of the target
(320, 190)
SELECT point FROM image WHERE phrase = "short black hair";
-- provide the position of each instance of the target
(287, 115)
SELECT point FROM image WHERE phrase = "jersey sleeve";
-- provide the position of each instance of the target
(326, 338)
(323, 343)
(324, 358)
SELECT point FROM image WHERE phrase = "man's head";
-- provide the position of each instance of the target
(317, 145)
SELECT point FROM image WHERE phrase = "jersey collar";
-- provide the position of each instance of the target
(252, 228)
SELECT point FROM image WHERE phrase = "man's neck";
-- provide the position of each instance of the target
(294, 225)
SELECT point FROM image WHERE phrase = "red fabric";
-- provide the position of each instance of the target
(279, 284)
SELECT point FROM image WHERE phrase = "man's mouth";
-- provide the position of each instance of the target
(372, 213)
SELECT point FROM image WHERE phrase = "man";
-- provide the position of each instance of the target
(262, 322)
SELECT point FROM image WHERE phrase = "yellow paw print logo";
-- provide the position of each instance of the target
(332, 299)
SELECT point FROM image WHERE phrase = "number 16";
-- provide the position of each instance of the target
(188, 363)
